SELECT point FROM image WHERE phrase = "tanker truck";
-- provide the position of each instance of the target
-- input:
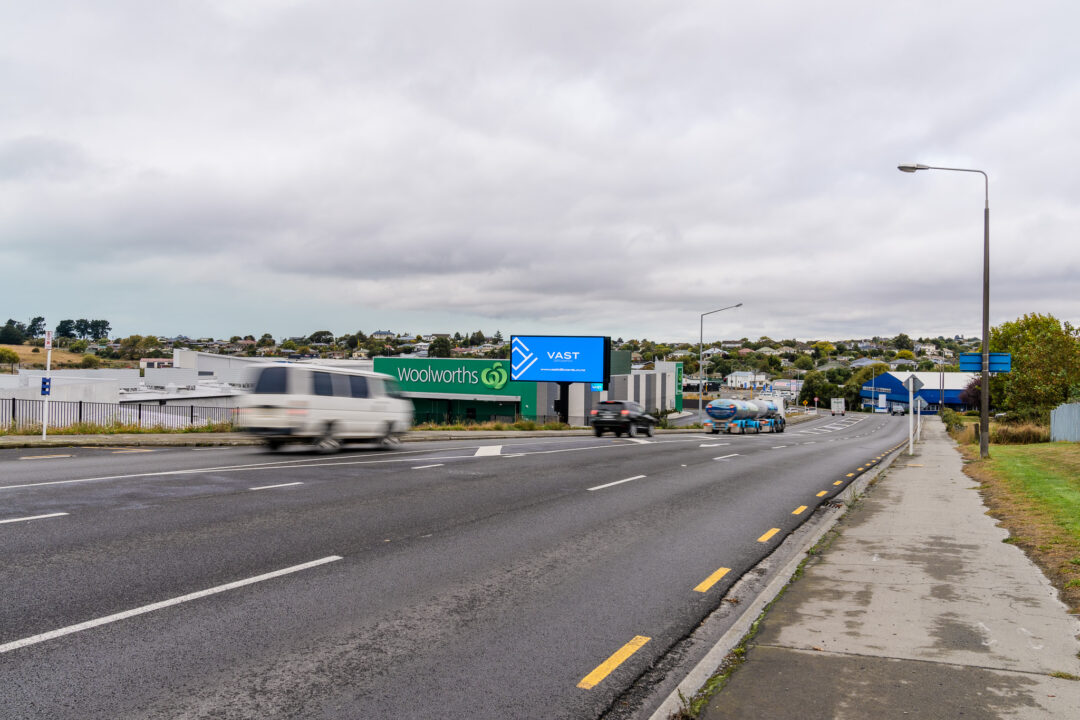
(761, 415)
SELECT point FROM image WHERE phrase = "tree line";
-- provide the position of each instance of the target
(14, 332)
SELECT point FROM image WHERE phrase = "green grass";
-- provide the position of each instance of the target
(1047, 476)
(1034, 490)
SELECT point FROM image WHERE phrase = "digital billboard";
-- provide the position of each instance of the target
(560, 358)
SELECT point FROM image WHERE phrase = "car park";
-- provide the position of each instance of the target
(619, 417)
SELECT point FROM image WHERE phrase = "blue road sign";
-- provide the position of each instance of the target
(999, 362)
(559, 358)
(46, 386)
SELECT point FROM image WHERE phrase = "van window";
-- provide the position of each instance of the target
(358, 385)
(323, 383)
(392, 388)
(271, 381)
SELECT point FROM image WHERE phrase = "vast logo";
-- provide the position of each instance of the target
(527, 357)
(494, 377)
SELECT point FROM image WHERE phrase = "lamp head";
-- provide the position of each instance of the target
(912, 167)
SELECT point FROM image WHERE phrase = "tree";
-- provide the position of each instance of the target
(321, 336)
(972, 393)
(9, 357)
(288, 345)
(804, 362)
(65, 329)
(82, 327)
(498, 338)
(903, 342)
(90, 361)
(905, 355)
(815, 385)
(440, 347)
(13, 333)
(99, 329)
(267, 340)
(235, 339)
(823, 349)
(36, 327)
(477, 338)
(1045, 365)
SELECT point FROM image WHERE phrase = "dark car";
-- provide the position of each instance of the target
(621, 416)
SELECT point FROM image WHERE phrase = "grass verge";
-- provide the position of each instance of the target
(115, 429)
(1034, 491)
(519, 425)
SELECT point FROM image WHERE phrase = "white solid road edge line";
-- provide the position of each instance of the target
(32, 517)
(268, 487)
(617, 482)
(725, 457)
(33, 640)
(425, 467)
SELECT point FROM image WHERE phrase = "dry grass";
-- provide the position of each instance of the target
(29, 359)
(1031, 490)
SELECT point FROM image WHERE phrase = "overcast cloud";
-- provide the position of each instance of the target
(250, 166)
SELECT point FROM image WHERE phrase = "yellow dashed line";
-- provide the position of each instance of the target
(798, 510)
(711, 580)
(823, 492)
(768, 535)
(860, 468)
(838, 482)
(605, 668)
(850, 475)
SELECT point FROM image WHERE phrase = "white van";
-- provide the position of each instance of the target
(323, 406)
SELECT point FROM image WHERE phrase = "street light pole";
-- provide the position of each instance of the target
(701, 361)
(984, 410)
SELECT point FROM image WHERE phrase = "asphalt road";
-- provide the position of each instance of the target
(510, 578)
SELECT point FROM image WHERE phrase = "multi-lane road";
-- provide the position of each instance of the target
(532, 577)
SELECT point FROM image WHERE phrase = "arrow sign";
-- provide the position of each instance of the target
(913, 384)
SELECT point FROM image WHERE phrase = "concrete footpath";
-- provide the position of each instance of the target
(916, 609)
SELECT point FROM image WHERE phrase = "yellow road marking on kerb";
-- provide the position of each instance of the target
(608, 666)
(860, 468)
(798, 510)
(850, 475)
(766, 536)
(711, 580)
(839, 481)
(823, 492)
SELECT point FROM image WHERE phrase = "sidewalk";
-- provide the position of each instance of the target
(916, 610)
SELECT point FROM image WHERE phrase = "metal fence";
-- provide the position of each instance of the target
(27, 413)
(1065, 423)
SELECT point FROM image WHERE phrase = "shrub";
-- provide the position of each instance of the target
(1024, 434)
(952, 420)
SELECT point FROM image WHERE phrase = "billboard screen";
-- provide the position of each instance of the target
(560, 358)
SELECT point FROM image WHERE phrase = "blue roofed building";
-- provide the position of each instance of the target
(936, 386)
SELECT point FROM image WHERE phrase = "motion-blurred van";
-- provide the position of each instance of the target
(323, 406)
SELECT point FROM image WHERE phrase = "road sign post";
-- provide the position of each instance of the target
(913, 385)
(46, 385)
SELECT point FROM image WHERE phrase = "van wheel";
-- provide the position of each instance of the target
(273, 445)
(631, 430)
(648, 430)
(598, 432)
(390, 441)
(327, 443)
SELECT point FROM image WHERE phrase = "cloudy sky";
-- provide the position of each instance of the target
(246, 166)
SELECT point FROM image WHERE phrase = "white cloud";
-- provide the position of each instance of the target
(565, 167)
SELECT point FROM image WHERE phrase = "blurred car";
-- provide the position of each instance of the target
(621, 416)
(897, 410)
(323, 407)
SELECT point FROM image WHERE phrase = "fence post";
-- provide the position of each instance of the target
(138, 416)
(192, 420)
(80, 410)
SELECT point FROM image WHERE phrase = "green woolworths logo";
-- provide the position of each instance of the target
(494, 377)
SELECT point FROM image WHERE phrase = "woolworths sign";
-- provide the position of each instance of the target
(446, 375)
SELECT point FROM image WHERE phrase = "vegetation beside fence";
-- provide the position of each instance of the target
(493, 425)
(88, 428)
